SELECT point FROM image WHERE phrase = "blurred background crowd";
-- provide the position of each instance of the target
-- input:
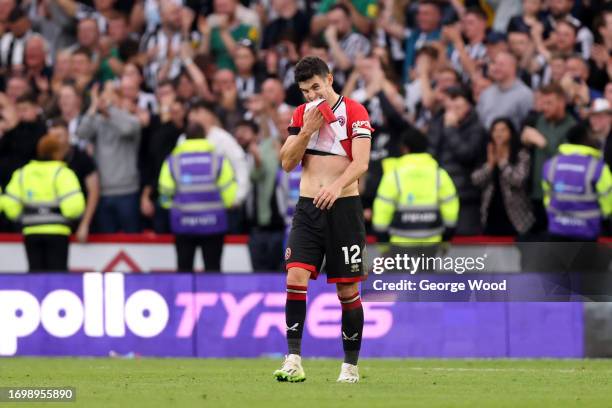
(489, 82)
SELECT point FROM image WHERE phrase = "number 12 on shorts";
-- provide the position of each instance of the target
(354, 251)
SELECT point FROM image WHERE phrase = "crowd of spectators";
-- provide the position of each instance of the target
(490, 83)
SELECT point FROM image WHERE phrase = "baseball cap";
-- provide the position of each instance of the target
(495, 37)
(600, 105)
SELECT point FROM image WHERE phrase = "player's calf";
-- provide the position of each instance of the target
(352, 327)
(295, 314)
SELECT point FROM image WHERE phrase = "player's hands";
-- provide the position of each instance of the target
(327, 196)
(313, 120)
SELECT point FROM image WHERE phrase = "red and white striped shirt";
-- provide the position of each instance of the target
(335, 138)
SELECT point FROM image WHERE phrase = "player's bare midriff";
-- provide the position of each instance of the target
(319, 171)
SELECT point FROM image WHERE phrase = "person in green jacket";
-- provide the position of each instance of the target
(46, 197)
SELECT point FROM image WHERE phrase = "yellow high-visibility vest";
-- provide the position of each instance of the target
(416, 200)
(45, 196)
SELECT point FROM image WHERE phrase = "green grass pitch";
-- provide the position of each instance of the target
(178, 383)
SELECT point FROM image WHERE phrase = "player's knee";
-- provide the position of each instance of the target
(347, 289)
(298, 276)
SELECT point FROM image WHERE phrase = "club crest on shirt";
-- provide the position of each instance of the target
(341, 120)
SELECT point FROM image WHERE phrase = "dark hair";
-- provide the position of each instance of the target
(434, 3)
(84, 51)
(28, 97)
(308, 67)
(250, 124)
(559, 55)
(165, 82)
(414, 140)
(495, 37)
(71, 83)
(431, 52)
(523, 30)
(57, 122)
(553, 89)
(577, 57)
(570, 25)
(201, 104)
(316, 41)
(515, 140)
(342, 7)
(448, 68)
(89, 17)
(477, 11)
(459, 91)
(128, 49)
(579, 135)
(117, 15)
(195, 131)
(16, 14)
(15, 75)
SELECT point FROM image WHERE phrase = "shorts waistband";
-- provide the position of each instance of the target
(347, 198)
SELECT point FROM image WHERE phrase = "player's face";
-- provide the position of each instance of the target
(317, 87)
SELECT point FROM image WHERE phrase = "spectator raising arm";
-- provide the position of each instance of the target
(226, 35)
(87, 127)
(126, 124)
(195, 73)
(362, 23)
(205, 29)
(69, 7)
(452, 34)
(389, 25)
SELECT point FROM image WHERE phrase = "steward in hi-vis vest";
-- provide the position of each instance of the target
(197, 185)
(46, 198)
(577, 189)
(416, 200)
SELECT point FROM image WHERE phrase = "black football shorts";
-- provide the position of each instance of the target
(338, 235)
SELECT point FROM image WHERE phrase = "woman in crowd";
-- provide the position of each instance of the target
(505, 207)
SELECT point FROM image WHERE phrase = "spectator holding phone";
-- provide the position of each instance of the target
(115, 136)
